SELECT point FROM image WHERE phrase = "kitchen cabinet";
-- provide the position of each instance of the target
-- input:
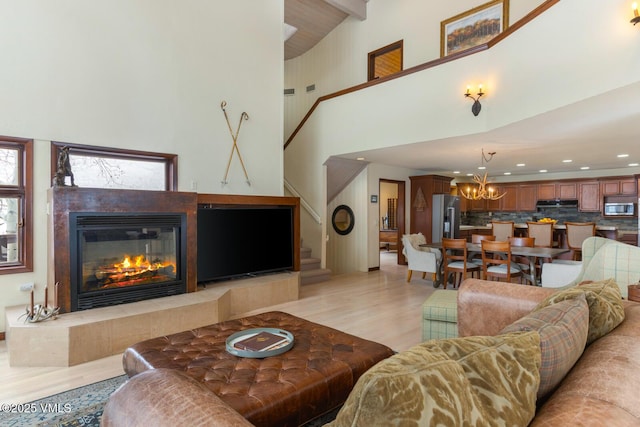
(557, 190)
(619, 187)
(589, 199)
(509, 202)
(527, 197)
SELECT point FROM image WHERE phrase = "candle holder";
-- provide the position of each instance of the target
(40, 312)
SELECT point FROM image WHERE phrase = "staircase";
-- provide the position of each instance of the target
(310, 271)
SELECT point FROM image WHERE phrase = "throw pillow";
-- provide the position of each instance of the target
(563, 331)
(605, 305)
(486, 381)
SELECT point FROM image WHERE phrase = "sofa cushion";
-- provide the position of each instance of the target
(605, 305)
(472, 380)
(563, 331)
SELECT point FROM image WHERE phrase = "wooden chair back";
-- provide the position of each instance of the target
(455, 251)
(542, 232)
(577, 232)
(478, 238)
(502, 230)
(496, 260)
(523, 242)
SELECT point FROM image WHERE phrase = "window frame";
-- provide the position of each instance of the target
(24, 192)
(170, 160)
(372, 56)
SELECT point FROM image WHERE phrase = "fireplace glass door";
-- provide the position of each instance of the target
(124, 258)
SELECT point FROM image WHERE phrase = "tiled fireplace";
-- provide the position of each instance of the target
(111, 247)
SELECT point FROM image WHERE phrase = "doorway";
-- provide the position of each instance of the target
(391, 215)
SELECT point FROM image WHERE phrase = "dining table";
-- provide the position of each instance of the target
(531, 254)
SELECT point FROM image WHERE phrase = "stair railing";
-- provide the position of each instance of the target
(303, 202)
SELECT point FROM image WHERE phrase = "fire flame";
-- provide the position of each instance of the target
(138, 264)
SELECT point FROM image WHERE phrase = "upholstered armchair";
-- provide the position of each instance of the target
(420, 259)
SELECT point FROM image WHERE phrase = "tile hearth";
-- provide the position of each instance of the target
(82, 336)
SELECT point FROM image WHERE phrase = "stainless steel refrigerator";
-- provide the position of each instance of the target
(445, 221)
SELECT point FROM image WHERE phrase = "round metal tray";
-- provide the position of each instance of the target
(258, 354)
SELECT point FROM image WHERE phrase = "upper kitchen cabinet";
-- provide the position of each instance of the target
(589, 198)
(618, 187)
(557, 190)
(527, 197)
(509, 203)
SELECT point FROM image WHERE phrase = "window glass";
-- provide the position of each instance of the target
(10, 245)
(8, 166)
(105, 172)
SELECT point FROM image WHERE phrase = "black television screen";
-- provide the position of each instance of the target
(243, 241)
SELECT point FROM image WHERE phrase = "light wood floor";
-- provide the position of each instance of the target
(379, 305)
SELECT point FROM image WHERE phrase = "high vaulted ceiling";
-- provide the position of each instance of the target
(314, 19)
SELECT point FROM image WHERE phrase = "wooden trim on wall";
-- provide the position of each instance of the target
(461, 54)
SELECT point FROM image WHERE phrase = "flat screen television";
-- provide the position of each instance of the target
(243, 241)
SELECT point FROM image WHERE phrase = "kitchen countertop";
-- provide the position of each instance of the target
(557, 227)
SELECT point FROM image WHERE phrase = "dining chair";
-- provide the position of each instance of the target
(478, 238)
(543, 233)
(454, 252)
(523, 262)
(577, 232)
(502, 230)
(500, 266)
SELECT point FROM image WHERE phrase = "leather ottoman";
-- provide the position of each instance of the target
(290, 389)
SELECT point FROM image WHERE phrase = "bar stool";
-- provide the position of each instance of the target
(454, 252)
(502, 230)
(577, 232)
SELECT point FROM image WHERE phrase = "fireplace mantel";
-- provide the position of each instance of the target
(64, 200)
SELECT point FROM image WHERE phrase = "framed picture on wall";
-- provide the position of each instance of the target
(473, 27)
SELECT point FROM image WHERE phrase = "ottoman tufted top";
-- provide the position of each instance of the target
(312, 378)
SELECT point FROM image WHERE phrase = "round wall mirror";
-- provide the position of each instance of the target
(343, 219)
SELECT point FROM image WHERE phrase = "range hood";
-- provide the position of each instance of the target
(546, 204)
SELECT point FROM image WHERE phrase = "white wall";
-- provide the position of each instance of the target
(541, 67)
(340, 59)
(145, 75)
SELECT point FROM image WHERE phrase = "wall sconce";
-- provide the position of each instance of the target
(636, 17)
(476, 107)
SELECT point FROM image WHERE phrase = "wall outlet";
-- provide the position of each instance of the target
(27, 287)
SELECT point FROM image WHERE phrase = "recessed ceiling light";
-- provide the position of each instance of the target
(584, 168)
(542, 170)
(520, 165)
(633, 164)
(622, 155)
(482, 167)
(359, 158)
(567, 161)
(456, 171)
(507, 173)
(469, 174)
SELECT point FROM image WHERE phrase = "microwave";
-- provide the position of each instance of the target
(619, 209)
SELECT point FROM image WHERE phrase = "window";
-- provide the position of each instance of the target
(100, 167)
(385, 61)
(16, 200)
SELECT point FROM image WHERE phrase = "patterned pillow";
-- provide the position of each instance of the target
(563, 331)
(605, 305)
(457, 381)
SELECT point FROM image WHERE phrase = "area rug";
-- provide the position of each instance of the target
(82, 406)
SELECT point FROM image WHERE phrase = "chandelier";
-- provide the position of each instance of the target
(482, 192)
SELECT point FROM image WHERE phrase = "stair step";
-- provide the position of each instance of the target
(317, 275)
(305, 253)
(309, 264)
